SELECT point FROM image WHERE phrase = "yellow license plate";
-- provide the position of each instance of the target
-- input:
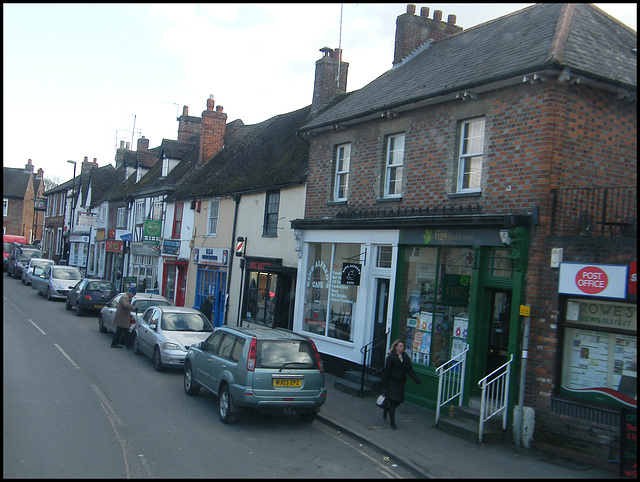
(98, 306)
(287, 382)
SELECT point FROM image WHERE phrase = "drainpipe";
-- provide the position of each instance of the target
(232, 254)
(523, 370)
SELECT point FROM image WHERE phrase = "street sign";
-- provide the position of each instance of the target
(525, 310)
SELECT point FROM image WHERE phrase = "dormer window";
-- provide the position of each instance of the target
(165, 167)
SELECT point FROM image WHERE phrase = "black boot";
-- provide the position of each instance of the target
(392, 416)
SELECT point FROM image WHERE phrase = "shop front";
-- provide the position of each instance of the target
(268, 292)
(598, 339)
(78, 250)
(459, 288)
(211, 280)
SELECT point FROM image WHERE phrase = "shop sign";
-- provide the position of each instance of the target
(78, 239)
(111, 234)
(40, 204)
(263, 264)
(170, 247)
(451, 237)
(152, 228)
(100, 234)
(602, 280)
(603, 315)
(112, 246)
(123, 234)
(633, 278)
(211, 256)
(87, 219)
(351, 274)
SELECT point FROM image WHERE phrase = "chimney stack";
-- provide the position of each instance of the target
(413, 31)
(143, 144)
(40, 174)
(213, 127)
(88, 165)
(330, 80)
(29, 166)
(188, 127)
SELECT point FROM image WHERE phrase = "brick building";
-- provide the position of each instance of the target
(481, 173)
(21, 189)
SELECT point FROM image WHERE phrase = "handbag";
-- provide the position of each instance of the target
(381, 401)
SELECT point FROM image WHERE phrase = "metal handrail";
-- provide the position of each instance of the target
(374, 343)
(495, 395)
(451, 380)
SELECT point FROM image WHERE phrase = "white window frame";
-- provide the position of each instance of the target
(214, 214)
(5, 207)
(157, 210)
(120, 218)
(59, 242)
(139, 212)
(394, 166)
(343, 164)
(271, 213)
(471, 154)
(103, 213)
(63, 200)
(165, 167)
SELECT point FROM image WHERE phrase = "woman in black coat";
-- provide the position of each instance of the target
(396, 369)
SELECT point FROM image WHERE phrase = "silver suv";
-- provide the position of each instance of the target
(267, 369)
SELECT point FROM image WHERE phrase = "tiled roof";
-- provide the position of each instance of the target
(548, 35)
(255, 157)
(14, 182)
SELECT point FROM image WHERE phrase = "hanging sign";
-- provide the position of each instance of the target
(351, 274)
(211, 256)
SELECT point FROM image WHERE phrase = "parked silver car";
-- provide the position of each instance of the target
(27, 273)
(55, 281)
(165, 333)
(142, 301)
(261, 368)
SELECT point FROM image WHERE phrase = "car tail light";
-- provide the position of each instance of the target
(132, 320)
(251, 359)
(319, 360)
(87, 297)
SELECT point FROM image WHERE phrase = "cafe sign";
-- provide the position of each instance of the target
(601, 280)
(351, 274)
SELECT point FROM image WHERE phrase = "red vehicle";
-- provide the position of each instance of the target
(7, 241)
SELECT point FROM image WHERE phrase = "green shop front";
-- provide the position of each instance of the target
(460, 287)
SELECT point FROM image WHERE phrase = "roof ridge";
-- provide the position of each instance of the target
(561, 32)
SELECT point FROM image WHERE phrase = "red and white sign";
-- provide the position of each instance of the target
(633, 278)
(602, 280)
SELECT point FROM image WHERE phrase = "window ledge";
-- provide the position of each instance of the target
(465, 194)
(389, 199)
(337, 203)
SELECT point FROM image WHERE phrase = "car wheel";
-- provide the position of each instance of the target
(79, 310)
(157, 361)
(191, 387)
(67, 305)
(101, 327)
(136, 345)
(225, 406)
(307, 417)
(49, 295)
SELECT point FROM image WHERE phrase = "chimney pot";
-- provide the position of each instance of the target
(127, 148)
(29, 166)
(424, 12)
(121, 144)
(185, 110)
(210, 103)
(86, 159)
(437, 15)
(95, 161)
(40, 173)
(411, 9)
(219, 108)
(451, 19)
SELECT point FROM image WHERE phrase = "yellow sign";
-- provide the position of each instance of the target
(525, 310)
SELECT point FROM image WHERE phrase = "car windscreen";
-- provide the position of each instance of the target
(142, 305)
(185, 322)
(42, 263)
(284, 353)
(65, 273)
(27, 254)
(6, 247)
(100, 286)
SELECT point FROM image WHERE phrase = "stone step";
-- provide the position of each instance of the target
(353, 388)
(356, 377)
(468, 429)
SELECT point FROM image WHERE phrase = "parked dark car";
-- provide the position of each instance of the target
(19, 256)
(90, 294)
(267, 369)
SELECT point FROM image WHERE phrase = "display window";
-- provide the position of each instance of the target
(330, 304)
(599, 352)
(434, 310)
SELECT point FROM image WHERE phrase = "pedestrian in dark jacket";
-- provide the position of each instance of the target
(122, 319)
(396, 369)
(207, 307)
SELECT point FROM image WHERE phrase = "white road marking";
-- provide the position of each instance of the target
(76, 366)
(36, 326)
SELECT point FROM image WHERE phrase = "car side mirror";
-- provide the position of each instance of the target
(153, 326)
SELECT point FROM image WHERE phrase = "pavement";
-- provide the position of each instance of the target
(428, 452)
